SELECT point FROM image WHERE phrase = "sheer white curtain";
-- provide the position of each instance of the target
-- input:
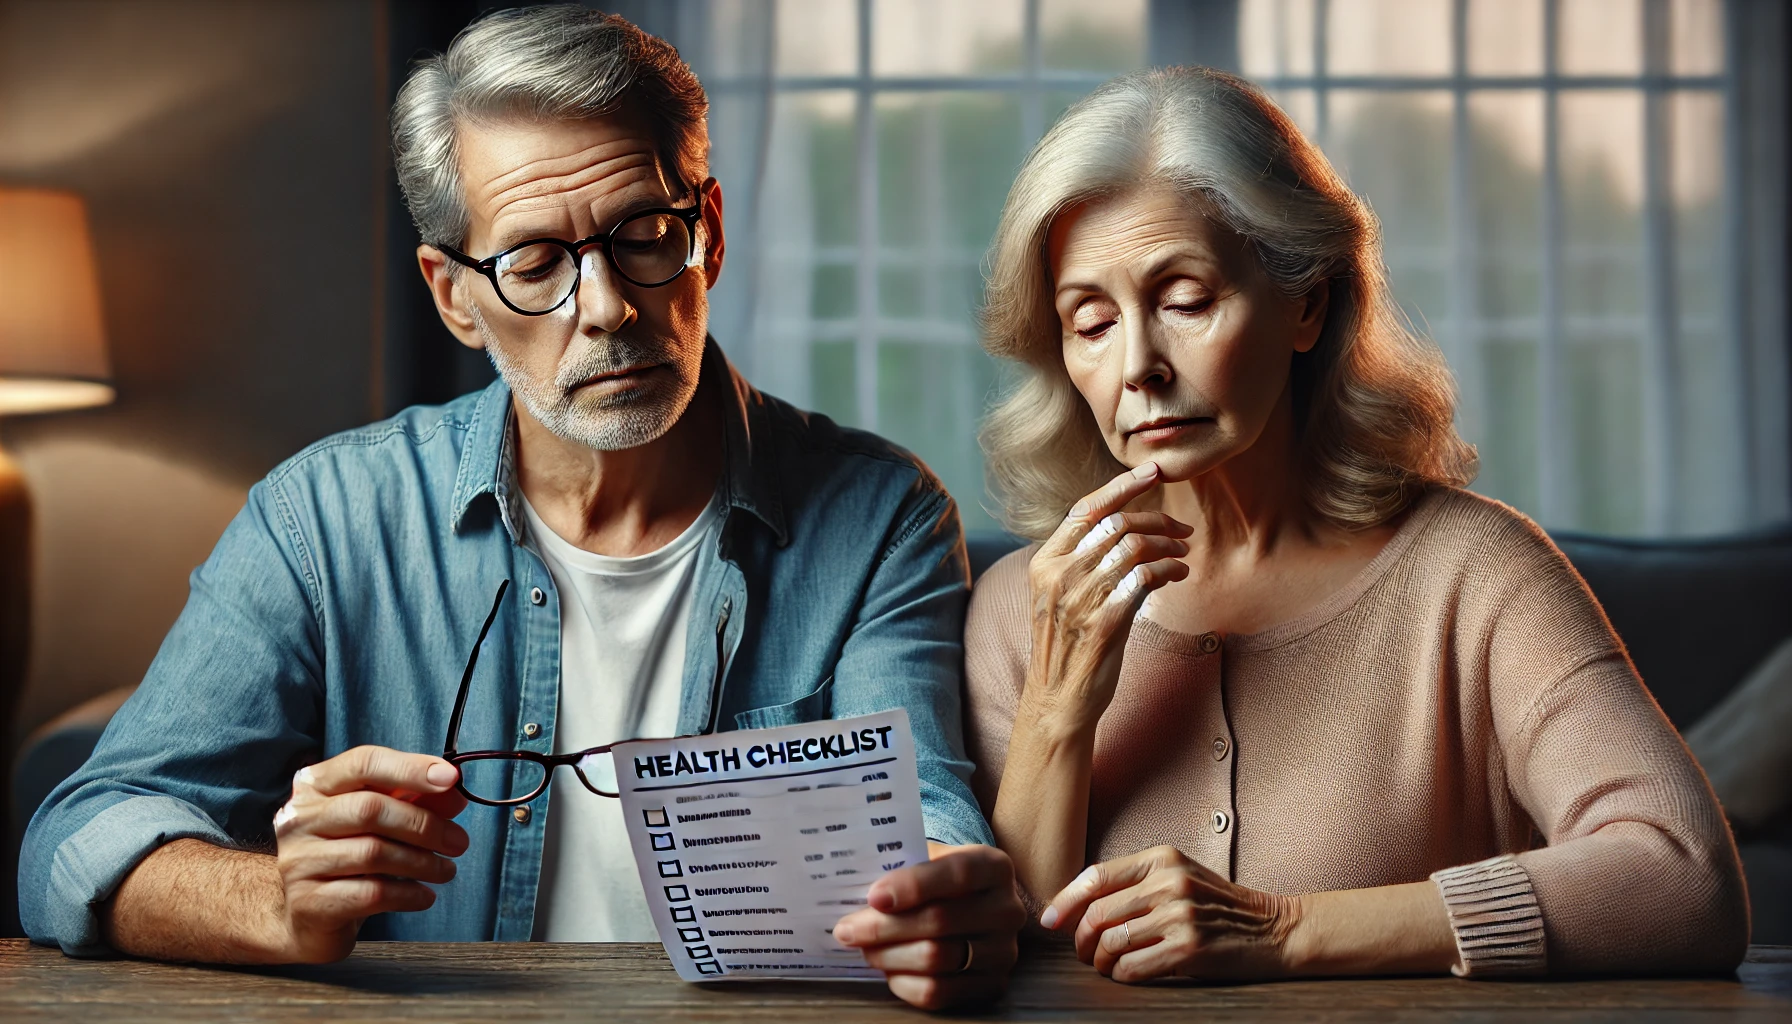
(1583, 201)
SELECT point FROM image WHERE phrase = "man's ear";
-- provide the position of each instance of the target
(450, 294)
(715, 244)
(1310, 319)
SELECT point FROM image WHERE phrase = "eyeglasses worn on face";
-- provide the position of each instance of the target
(647, 249)
(496, 777)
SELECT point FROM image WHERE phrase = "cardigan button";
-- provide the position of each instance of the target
(521, 814)
(1221, 821)
(1220, 746)
(1210, 642)
(537, 597)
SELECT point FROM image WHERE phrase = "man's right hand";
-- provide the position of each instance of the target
(363, 833)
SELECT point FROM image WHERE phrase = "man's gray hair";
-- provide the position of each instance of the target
(539, 64)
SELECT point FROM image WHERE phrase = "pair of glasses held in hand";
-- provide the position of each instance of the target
(491, 777)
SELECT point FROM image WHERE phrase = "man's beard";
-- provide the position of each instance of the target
(605, 422)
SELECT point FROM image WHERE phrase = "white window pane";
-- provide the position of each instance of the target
(947, 37)
(806, 234)
(818, 37)
(1506, 179)
(1601, 37)
(1388, 37)
(1604, 301)
(1505, 37)
(1497, 363)
(1075, 35)
(944, 164)
(1712, 468)
(1394, 150)
(1275, 37)
(1696, 28)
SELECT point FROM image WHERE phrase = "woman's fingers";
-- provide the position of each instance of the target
(1141, 580)
(1156, 945)
(1121, 525)
(1098, 880)
(1107, 913)
(1097, 504)
(1134, 935)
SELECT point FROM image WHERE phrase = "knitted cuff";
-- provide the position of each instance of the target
(1494, 913)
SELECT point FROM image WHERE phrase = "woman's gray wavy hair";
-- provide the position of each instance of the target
(539, 64)
(1373, 401)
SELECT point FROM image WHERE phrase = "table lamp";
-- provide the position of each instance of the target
(52, 357)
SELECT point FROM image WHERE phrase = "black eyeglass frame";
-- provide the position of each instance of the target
(549, 762)
(488, 267)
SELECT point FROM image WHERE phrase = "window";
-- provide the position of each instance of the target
(891, 132)
(1561, 185)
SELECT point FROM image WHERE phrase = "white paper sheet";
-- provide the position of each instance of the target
(752, 844)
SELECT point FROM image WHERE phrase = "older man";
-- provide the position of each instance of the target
(687, 554)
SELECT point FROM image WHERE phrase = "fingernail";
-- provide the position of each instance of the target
(1049, 919)
(1079, 510)
(303, 777)
(1146, 471)
(845, 935)
(1087, 877)
(442, 774)
(283, 815)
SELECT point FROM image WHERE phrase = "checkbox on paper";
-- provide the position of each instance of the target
(698, 952)
(656, 817)
(671, 869)
(661, 840)
(709, 967)
(690, 935)
(677, 894)
(684, 915)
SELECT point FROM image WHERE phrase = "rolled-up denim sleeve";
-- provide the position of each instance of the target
(205, 747)
(906, 650)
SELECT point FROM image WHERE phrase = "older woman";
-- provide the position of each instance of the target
(1312, 707)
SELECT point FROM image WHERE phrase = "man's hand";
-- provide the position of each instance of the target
(944, 931)
(361, 835)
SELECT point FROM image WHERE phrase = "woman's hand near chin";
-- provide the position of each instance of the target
(1087, 582)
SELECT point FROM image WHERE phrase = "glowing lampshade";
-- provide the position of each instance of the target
(52, 343)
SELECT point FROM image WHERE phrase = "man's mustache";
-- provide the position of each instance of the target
(612, 353)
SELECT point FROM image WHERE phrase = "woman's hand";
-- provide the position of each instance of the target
(1158, 914)
(1087, 582)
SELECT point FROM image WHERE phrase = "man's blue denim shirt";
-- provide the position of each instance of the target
(340, 604)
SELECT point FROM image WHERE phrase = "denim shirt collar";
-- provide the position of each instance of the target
(749, 477)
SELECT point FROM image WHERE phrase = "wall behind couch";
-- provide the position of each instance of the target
(234, 162)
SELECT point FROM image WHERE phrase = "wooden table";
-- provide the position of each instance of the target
(628, 982)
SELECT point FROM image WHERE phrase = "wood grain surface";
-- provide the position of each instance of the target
(631, 982)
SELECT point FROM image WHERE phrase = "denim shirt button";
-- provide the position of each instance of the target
(537, 597)
(521, 814)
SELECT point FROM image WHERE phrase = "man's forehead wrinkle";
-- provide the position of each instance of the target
(574, 169)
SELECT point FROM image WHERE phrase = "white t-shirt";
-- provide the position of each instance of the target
(622, 636)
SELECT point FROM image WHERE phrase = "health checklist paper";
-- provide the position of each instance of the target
(752, 844)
